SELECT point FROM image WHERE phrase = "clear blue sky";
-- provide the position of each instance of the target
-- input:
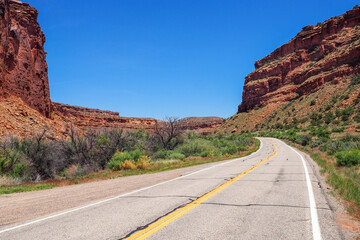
(156, 58)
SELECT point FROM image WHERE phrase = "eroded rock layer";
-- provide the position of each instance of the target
(94, 118)
(329, 51)
(23, 67)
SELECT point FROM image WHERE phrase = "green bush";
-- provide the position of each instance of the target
(328, 107)
(355, 79)
(304, 139)
(329, 117)
(120, 157)
(176, 155)
(341, 129)
(312, 103)
(196, 146)
(357, 118)
(348, 158)
(161, 154)
(205, 154)
(336, 122)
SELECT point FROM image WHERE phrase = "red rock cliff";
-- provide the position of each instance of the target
(326, 52)
(23, 67)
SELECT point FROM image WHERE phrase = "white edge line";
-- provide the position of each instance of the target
(122, 195)
(314, 217)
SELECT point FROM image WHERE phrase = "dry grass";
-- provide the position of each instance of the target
(128, 165)
(8, 181)
(144, 162)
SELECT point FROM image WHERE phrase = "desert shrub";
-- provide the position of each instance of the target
(344, 143)
(128, 165)
(336, 122)
(316, 118)
(355, 79)
(40, 152)
(315, 143)
(329, 106)
(194, 147)
(304, 120)
(107, 143)
(345, 113)
(229, 149)
(348, 158)
(312, 103)
(177, 155)
(320, 132)
(143, 162)
(357, 118)
(341, 129)
(329, 117)
(114, 165)
(161, 154)
(119, 158)
(205, 154)
(304, 139)
(74, 171)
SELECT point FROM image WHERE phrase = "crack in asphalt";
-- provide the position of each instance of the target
(260, 205)
(157, 219)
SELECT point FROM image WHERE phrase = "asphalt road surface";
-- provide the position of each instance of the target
(271, 194)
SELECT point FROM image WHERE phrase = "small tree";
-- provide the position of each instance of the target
(168, 132)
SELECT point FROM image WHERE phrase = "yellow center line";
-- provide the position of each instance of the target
(154, 227)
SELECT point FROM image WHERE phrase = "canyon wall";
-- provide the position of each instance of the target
(94, 118)
(25, 102)
(329, 51)
(23, 67)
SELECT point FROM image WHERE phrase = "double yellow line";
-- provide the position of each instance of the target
(156, 226)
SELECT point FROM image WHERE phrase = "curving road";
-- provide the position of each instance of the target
(271, 194)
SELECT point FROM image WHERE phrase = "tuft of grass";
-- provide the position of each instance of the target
(24, 188)
(348, 158)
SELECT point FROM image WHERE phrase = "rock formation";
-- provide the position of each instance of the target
(203, 125)
(95, 118)
(318, 54)
(24, 83)
(23, 67)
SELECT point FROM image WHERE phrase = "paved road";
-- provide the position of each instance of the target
(267, 195)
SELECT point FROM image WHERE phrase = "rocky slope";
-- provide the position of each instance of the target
(23, 67)
(318, 71)
(318, 54)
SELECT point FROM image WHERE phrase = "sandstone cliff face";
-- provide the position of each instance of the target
(318, 54)
(203, 125)
(23, 67)
(95, 118)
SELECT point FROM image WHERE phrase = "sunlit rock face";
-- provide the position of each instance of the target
(23, 67)
(329, 51)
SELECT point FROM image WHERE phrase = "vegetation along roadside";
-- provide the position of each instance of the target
(42, 163)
